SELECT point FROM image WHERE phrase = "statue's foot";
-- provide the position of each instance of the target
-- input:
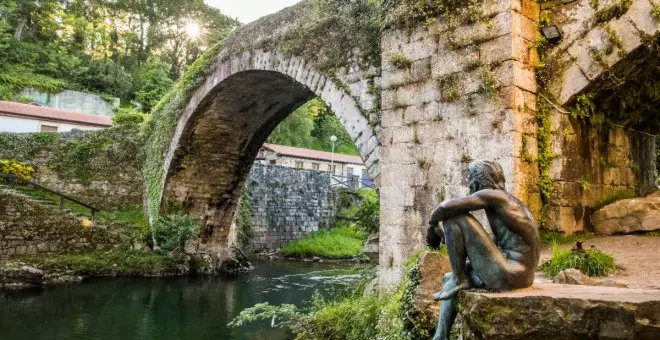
(450, 294)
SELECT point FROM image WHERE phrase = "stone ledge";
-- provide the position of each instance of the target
(555, 311)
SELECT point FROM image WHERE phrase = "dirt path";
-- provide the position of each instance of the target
(639, 257)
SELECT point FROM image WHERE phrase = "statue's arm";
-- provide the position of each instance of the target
(449, 208)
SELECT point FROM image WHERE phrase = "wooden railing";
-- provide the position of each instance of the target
(63, 197)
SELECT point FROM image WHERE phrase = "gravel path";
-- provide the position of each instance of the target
(638, 256)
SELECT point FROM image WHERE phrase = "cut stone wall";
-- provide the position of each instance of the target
(591, 166)
(28, 227)
(468, 94)
(288, 204)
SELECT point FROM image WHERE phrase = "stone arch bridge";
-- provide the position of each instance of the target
(440, 93)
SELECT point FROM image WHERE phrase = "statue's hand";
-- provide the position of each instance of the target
(435, 236)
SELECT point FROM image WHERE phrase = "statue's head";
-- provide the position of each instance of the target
(485, 175)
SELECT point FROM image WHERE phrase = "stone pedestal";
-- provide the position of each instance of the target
(554, 311)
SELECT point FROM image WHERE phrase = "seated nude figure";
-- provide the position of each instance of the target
(505, 261)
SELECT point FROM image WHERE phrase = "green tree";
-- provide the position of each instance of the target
(295, 130)
(152, 82)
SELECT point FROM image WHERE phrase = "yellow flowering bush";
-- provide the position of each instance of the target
(19, 169)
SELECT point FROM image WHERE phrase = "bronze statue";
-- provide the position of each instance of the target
(506, 261)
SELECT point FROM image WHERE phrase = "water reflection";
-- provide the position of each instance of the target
(172, 308)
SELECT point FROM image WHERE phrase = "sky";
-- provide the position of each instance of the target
(249, 10)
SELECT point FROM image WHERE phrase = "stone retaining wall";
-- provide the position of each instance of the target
(288, 203)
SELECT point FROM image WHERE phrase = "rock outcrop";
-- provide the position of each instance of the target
(371, 248)
(575, 277)
(553, 311)
(629, 216)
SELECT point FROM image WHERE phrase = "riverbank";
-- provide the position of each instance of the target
(45, 270)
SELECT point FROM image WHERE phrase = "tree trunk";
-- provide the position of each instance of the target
(19, 29)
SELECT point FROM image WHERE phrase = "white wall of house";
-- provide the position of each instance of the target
(21, 125)
(341, 169)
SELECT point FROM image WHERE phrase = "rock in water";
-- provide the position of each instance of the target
(553, 311)
(628, 216)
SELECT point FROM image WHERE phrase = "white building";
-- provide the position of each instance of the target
(347, 170)
(19, 118)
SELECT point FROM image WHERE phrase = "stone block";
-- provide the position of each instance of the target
(572, 82)
(420, 49)
(540, 312)
(446, 62)
(628, 216)
(640, 14)
(515, 73)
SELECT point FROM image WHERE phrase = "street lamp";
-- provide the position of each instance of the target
(333, 139)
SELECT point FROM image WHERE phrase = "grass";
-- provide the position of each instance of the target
(336, 243)
(104, 263)
(592, 262)
(551, 237)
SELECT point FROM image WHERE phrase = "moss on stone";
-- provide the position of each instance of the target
(614, 11)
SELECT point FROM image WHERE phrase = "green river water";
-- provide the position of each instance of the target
(195, 307)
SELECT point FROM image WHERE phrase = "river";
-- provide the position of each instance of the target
(193, 307)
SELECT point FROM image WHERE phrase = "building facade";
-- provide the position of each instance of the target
(346, 170)
(21, 118)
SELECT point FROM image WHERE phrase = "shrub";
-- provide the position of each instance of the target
(244, 219)
(127, 116)
(592, 262)
(352, 317)
(336, 243)
(368, 214)
(172, 231)
(22, 170)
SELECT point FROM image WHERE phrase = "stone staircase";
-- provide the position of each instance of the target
(43, 202)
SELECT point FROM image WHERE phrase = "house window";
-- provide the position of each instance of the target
(349, 172)
(48, 128)
(299, 165)
(273, 162)
(315, 166)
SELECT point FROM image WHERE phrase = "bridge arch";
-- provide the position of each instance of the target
(229, 117)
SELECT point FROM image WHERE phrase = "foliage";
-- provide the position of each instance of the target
(311, 126)
(130, 217)
(349, 318)
(592, 262)
(86, 156)
(21, 170)
(400, 61)
(244, 219)
(102, 263)
(614, 11)
(152, 82)
(101, 46)
(335, 243)
(368, 214)
(12, 81)
(408, 13)
(295, 130)
(545, 154)
(172, 231)
(398, 318)
(128, 116)
(550, 237)
(448, 87)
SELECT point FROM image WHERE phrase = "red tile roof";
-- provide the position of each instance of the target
(312, 154)
(47, 113)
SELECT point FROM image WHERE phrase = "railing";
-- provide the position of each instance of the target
(351, 182)
(62, 197)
